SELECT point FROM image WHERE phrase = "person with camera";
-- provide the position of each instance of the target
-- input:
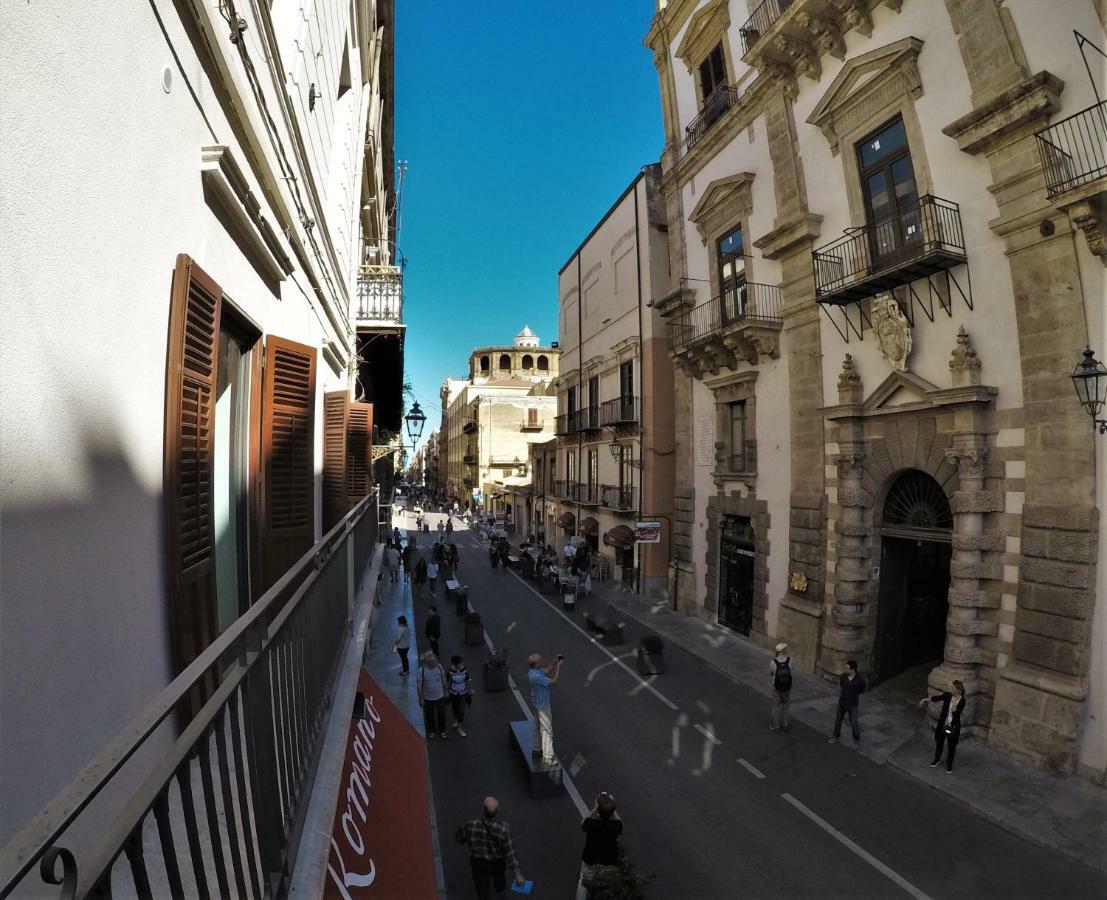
(948, 729)
(490, 849)
(602, 829)
(541, 680)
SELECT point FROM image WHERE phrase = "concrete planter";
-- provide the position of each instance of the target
(495, 678)
(651, 663)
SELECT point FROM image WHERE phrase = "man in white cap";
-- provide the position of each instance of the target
(780, 673)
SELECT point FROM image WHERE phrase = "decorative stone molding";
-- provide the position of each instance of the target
(855, 91)
(1087, 215)
(1017, 112)
(788, 234)
(893, 331)
(849, 383)
(707, 27)
(723, 202)
(964, 363)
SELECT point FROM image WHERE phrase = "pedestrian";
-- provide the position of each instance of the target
(393, 562)
(851, 685)
(396, 536)
(453, 557)
(491, 850)
(602, 829)
(402, 643)
(780, 674)
(449, 529)
(441, 529)
(432, 575)
(948, 729)
(409, 559)
(432, 689)
(420, 578)
(461, 691)
(568, 551)
(541, 680)
(494, 556)
(432, 629)
(505, 553)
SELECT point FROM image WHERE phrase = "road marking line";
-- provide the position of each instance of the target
(860, 851)
(707, 734)
(753, 771)
(669, 703)
(650, 679)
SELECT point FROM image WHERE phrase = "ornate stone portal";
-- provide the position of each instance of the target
(893, 332)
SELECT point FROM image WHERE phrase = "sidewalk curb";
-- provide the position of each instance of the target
(995, 813)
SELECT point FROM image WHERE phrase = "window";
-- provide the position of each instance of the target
(626, 379)
(571, 400)
(528, 361)
(712, 73)
(731, 260)
(543, 364)
(484, 364)
(593, 471)
(594, 391)
(891, 196)
(532, 418)
(570, 467)
(505, 362)
(737, 436)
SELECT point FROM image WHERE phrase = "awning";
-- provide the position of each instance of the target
(589, 526)
(620, 536)
(567, 520)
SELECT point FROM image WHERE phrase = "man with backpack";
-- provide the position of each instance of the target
(780, 672)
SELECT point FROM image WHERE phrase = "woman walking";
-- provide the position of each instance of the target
(402, 643)
(461, 691)
(948, 730)
(420, 577)
(453, 557)
(432, 575)
(432, 688)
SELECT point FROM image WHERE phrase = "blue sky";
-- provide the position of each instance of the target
(521, 124)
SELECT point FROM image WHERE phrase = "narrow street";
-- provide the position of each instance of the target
(715, 805)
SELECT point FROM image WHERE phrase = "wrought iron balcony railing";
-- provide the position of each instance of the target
(1074, 150)
(563, 424)
(469, 426)
(566, 490)
(588, 494)
(618, 497)
(761, 21)
(922, 239)
(380, 296)
(722, 99)
(151, 808)
(586, 418)
(747, 302)
(619, 411)
(470, 459)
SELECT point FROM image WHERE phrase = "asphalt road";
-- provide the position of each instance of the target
(714, 804)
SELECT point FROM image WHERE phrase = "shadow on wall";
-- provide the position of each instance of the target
(84, 630)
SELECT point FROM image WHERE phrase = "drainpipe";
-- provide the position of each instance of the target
(641, 384)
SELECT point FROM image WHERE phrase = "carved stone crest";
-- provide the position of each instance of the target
(893, 333)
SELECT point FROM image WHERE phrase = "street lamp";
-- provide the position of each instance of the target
(415, 421)
(617, 451)
(1090, 380)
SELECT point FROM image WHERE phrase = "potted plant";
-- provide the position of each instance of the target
(618, 882)
(474, 630)
(651, 655)
(495, 671)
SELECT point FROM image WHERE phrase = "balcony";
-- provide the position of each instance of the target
(565, 490)
(920, 241)
(380, 298)
(470, 459)
(760, 22)
(586, 419)
(588, 494)
(563, 424)
(742, 323)
(722, 99)
(530, 425)
(619, 497)
(470, 426)
(620, 411)
(1074, 150)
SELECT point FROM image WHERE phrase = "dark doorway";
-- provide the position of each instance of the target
(914, 575)
(736, 557)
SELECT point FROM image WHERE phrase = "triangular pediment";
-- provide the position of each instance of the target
(899, 389)
(705, 28)
(723, 201)
(861, 73)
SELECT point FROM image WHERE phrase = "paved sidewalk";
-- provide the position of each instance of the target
(1067, 814)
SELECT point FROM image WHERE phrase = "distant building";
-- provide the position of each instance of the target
(490, 419)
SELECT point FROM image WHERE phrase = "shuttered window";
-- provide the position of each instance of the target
(191, 357)
(359, 452)
(288, 445)
(347, 455)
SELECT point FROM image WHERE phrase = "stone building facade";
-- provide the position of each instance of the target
(878, 293)
(491, 419)
(615, 427)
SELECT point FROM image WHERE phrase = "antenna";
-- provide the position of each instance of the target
(401, 172)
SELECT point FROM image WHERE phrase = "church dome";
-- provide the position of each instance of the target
(526, 338)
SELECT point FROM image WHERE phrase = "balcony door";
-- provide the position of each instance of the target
(731, 259)
(891, 195)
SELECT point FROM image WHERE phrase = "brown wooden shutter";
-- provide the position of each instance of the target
(336, 408)
(359, 453)
(288, 454)
(192, 361)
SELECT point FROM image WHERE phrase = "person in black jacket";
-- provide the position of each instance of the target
(851, 686)
(948, 729)
(602, 829)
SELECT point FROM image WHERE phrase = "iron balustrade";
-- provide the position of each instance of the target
(747, 302)
(588, 494)
(761, 21)
(470, 459)
(1074, 150)
(469, 426)
(922, 239)
(721, 99)
(563, 424)
(226, 796)
(619, 411)
(618, 497)
(587, 418)
(380, 294)
(566, 490)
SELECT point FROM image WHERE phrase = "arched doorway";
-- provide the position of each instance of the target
(915, 550)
